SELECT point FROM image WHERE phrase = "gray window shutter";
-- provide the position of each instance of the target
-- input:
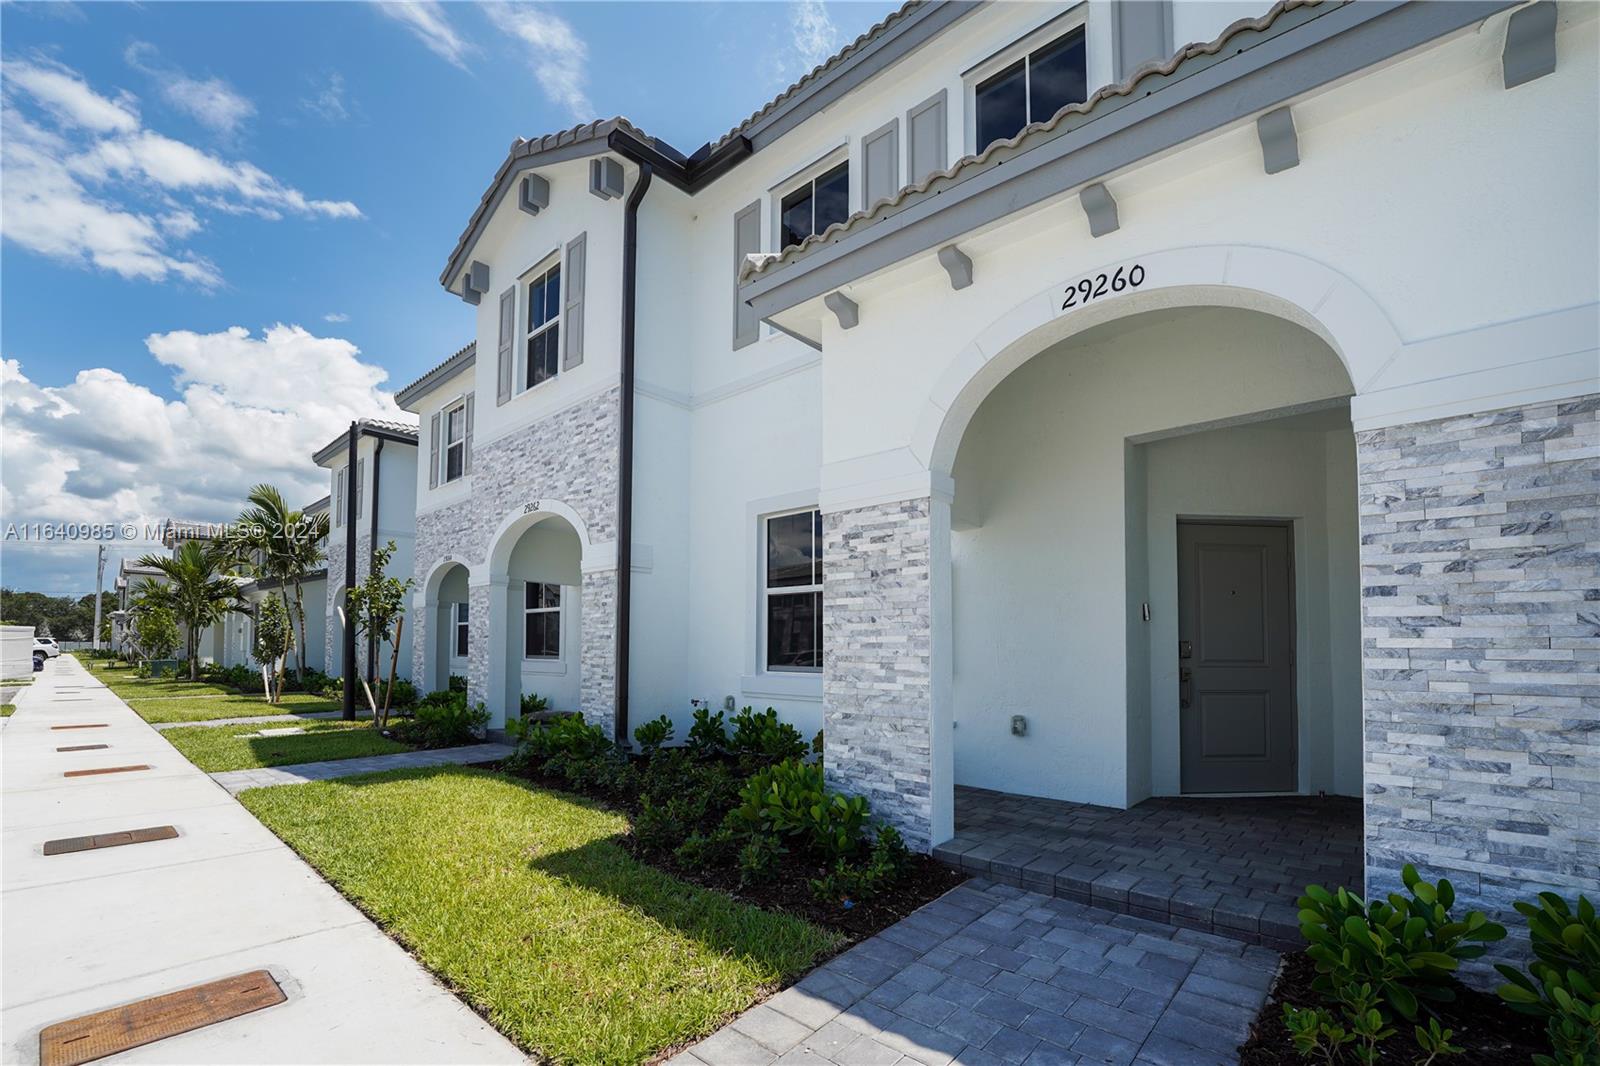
(338, 497)
(572, 303)
(466, 439)
(361, 484)
(1142, 31)
(508, 327)
(746, 241)
(925, 138)
(880, 164)
(433, 450)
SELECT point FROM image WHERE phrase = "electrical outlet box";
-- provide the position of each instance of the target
(1019, 725)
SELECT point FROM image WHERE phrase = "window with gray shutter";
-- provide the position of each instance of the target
(925, 138)
(361, 484)
(880, 164)
(433, 451)
(1142, 31)
(746, 241)
(338, 497)
(572, 311)
(508, 329)
(467, 466)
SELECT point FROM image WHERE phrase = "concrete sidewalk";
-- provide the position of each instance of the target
(236, 781)
(97, 929)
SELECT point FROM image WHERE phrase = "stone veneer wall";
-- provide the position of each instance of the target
(876, 674)
(332, 636)
(570, 456)
(1480, 561)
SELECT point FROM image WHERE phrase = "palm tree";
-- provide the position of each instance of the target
(198, 590)
(283, 545)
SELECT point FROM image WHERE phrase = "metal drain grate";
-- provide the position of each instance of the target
(105, 770)
(88, 725)
(68, 845)
(94, 1036)
(83, 747)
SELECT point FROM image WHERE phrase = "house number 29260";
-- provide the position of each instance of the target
(1098, 285)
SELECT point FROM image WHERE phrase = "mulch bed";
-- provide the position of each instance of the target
(1488, 1032)
(925, 881)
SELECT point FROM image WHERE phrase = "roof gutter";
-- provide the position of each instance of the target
(350, 573)
(630, 279)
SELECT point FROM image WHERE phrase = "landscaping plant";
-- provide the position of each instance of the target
(376, 607)
(653, 734)
(441, 720)
(198, 591)
(708, 736)
(282, 544)
(1562, 984)
(274, 641)
(1378, 960)
(155, 631)
(761, 739)
(532, 703)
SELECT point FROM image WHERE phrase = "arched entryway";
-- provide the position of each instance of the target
(445, 615)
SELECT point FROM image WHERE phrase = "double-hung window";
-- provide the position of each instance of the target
(455, 441)
(544, 326)
(1032, 89)
(541, 617)
(461, 631)
(814, 206)
(792, 590)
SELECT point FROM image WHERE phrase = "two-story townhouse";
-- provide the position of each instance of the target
(1227, 430)
(372, 500)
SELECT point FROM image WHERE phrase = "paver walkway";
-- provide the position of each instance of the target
(87, 931)
(236, 781)
(990, 974)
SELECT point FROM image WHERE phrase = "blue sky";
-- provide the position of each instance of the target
(208, 204)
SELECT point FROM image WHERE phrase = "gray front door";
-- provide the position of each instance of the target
(1236, 657)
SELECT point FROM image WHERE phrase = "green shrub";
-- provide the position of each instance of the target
(312, 681)
(570, 737)
(402, 694)
(1562, 984)
(653, 734)
(760, 739)
(441, 723)
(663, 827)
(716, 848)
(855, 882)
(533, 703)
(238, 676)
(708, 735)
(789, 801)
(457, 683)
(758, 859)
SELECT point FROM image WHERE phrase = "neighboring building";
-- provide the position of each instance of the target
(1230, 429)
(376, 505)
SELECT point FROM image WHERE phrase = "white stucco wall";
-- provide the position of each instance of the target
(1041, 557)
(16, 651)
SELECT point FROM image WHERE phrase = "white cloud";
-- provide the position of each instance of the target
(812, 39)
(335, 316)
(104, 449)
(329, 103)
(428, 23)
(558, 55)
(210, 101)
(87, 183)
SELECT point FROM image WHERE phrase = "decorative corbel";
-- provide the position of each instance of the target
(533, 193)
(1280, 145)
(474, 282)
(605, 178)
(1530, 50)
(844, 309)
(957, 264)
(1101, 207)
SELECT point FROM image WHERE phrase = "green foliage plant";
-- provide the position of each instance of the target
(1562, 984)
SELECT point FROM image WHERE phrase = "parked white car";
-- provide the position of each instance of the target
(47, 645)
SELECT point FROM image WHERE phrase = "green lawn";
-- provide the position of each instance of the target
(524, 902)
(135, 687)
(6, 709)
(232, 747)
(16, 681)
(191, 709)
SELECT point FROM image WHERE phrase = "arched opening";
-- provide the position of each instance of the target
(542, 603)
(1155, 584)
(447, 620)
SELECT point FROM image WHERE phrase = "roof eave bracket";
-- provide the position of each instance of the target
(1280, 145)
(957, 264)
(1101, 207)
(1530, 50)
(846, 310)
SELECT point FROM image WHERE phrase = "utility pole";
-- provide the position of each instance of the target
(99, 583)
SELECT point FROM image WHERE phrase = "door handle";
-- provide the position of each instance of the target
(1185, 678)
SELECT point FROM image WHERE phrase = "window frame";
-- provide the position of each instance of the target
(554, 261)
(457, 405)
(765, 592)
(1074, 19)
(558, 610)
(460, 613)
(808, 175)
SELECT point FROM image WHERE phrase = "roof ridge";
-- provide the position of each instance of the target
(760, 263)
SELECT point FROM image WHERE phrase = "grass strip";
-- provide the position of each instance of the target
(526, 903)
(241, 747)
(188, 709)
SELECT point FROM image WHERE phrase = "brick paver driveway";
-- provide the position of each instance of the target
(993, 974)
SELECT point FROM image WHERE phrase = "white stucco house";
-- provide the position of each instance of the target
(1227, 430)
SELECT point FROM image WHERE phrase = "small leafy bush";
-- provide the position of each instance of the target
(403, 694)
(311, 681)
(790, 802)
(664, 827)
(708, 736)
(760, 739)
(717, 848)
(457, 683)
(1562, 984)
(569, 737)
(758, 859)
(653, 734)
(854, 882)
(533, 703)
(442, 723)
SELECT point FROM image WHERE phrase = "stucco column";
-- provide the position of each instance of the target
(886, 677)
(487, 666)
(1479, 640)
(597, 652)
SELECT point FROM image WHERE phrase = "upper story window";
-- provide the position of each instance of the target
(792, 591)
(1032, 89)
(544, 326)
(455, 441)
(814, 206)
